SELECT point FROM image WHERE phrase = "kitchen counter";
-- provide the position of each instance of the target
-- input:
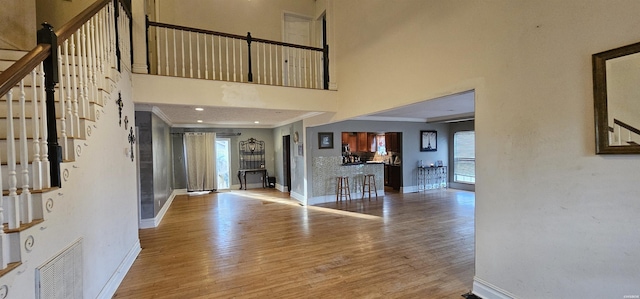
(327, 169)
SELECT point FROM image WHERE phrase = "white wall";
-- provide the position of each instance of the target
(97, 203)
(262, 18)
(18, 25)
(553, 220)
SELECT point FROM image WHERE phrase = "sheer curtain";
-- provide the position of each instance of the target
(200, 153)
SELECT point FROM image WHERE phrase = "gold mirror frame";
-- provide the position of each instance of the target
(602, 127)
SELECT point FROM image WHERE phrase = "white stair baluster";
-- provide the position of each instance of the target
(46, 177)
(213, 57)
(67, 76)
(175, 54)
(75, 124)
(37, 164)
(258, 61)
(264, 62)
(4, 246)
(270, 64)
(25, 196)
(13, 205)
(61, 97)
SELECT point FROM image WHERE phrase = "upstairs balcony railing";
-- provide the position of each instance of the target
(203, 54)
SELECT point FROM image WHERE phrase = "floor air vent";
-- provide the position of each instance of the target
(61, 277)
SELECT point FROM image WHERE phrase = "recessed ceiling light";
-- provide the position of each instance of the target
(256, 122)
(199, 120)
(199, 109)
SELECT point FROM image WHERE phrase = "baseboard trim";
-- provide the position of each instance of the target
(486, 290)
(114, 282)
(297, 196)
(155, 221)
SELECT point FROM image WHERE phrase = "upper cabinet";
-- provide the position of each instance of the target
(393, 142)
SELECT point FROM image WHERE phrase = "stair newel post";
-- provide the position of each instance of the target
(250, 75)
(47, 36)
(325, 60)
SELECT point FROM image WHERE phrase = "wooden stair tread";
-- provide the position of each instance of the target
(23, 226)
(10, 267)
(39, 191)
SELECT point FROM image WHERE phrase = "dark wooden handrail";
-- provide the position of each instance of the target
(242, 37)
(21, 68)
(66, 30)
(626, 126)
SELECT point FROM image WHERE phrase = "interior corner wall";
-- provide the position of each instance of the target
(156, 169)
(454, 128)
(552, 219)
(145, 158)
(297, 159)
(162, 166)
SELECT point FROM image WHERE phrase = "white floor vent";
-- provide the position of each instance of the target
(61, 276)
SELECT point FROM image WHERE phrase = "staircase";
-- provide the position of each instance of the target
(88, 73)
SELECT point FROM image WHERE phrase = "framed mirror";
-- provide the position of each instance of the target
(616, 91)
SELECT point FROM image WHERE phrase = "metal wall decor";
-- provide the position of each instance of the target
(132, 140)
(126, 122)
(120, 104)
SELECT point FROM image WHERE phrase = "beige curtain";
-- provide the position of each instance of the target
(200, 158)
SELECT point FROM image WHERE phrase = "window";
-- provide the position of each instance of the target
(464, 157)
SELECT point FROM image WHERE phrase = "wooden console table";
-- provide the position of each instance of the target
(242, 175)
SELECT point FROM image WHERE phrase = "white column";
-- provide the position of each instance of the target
(139, 37)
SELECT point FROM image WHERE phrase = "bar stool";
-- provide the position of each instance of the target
(367, 181)
(342, 183)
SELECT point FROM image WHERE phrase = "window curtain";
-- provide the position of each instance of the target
(200, 153)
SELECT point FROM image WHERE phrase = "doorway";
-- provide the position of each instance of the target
(222, 163)
(286, 160)
(296, 30)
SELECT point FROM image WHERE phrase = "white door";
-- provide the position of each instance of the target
(222, 163)
(297, 30)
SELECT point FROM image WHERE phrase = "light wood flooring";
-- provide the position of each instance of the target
(260, 244)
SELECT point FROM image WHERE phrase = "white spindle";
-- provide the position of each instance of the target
(94, 62)
(37, 165)
(13, 199)
(175, 54)
(190, 57)
(4, 246)
(84, 71)
(315, 59)
(300, 67)
(43, 128)
(220, 54)
(277, 62)
(182, 44)
(264, 62)
(213, 57)
(198, 53)
(166, 52)
(241, 68)
(25, 196)
(283, 64)
(67, 76)
(226, 50)
(270, 64)
(99, 50)
(206, 54)
(75, 125)
(61, 96)
(233, 42)
(258, 61)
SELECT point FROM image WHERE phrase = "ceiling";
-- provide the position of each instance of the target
(448, 108)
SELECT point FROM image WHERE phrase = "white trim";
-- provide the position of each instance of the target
(155, 221)
(280, 188)
(297, 196)
(114, 282)
(486, 290)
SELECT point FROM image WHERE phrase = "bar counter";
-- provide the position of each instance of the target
(327, 169)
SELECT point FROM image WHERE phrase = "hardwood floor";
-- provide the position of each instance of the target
(261, 244)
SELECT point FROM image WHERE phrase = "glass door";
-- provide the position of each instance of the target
(222, 163)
